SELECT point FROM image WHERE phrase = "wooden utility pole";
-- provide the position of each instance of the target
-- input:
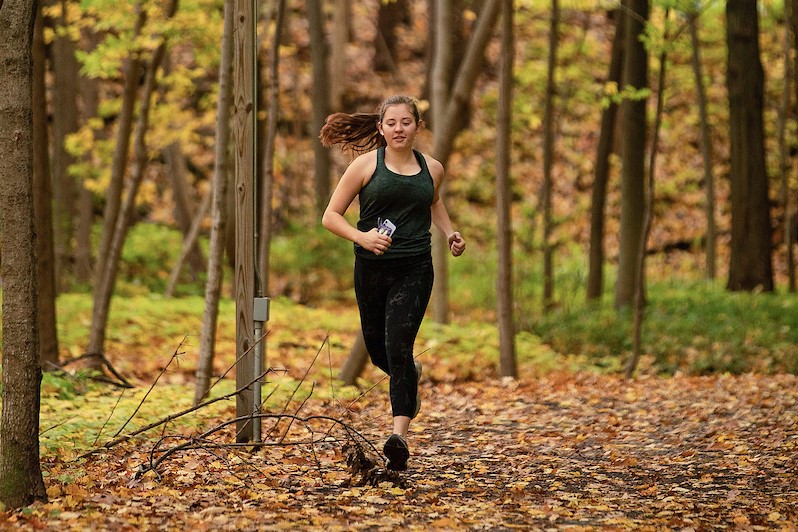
(244, 116)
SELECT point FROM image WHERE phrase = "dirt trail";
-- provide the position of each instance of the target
(561, 452)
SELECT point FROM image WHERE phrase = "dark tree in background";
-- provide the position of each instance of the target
(634, 128)
(750, 265)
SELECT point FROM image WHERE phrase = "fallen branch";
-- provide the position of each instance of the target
(171, 417)
(199, 442)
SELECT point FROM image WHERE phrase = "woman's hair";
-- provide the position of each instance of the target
(358, 131)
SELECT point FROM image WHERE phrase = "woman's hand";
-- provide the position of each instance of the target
(456, 244)
(375, 242)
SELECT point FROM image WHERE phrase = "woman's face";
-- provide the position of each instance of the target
(399, 126)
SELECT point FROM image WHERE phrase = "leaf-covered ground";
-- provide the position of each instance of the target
(564, 451)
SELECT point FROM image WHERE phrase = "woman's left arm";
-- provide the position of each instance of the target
(440, 216)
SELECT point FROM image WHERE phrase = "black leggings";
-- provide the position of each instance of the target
(392, 295)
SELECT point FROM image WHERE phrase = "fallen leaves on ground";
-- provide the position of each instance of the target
(565, 451)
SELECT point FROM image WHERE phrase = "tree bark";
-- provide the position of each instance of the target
(446, 123)
(595, 279)
(706, 149)
(340, 40)
(648, 217)
(633, 116)
(356, 361)
(110, 260)
(267, 190)
(189, 243)
(750, 266)
(21, 481)
(184, 204)
(213, 285)
(784, 149)
(549, 131)
(441, 68)
(66, 89)
(83, 243)
(390, 15)
(42, 208)
(504, 230)
(321, 104)
(113, 201)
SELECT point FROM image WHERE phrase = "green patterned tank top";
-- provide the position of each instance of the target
(405, 200)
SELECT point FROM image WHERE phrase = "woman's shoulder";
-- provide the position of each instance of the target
(434, 165)
(362, 167)
(365, 161)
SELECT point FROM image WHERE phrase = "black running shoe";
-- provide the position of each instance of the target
(396, 451)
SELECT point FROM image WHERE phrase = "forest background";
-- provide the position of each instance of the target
(693, 326)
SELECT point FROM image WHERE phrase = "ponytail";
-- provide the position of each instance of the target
(358, 132)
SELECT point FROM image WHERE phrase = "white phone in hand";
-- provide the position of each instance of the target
(386, 227)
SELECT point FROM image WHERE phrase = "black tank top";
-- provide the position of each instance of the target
(405, 200)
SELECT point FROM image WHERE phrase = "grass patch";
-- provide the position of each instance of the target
(695, 327)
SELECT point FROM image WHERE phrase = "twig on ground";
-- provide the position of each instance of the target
(171, 417)
(174, 356)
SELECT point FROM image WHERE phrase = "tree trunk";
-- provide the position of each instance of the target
(440, 100)
(340, 40)
(706, 149)
(789, 215)
(391, 14)
(213, 285)
(321, 104)
(42, 208)
(83, 242)
(750, 266)
(21, 480)
(189, 243)
(266, 212)
(633, 116)
(595, 279)
(113, 200)
(66, 89)
(110, 260)
(549, 131)
(648, 217)
(504, 230)
(446, 123)
(184, 204)
(784, 149)
(356, 361)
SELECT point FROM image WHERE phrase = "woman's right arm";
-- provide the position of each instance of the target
(348, 187)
